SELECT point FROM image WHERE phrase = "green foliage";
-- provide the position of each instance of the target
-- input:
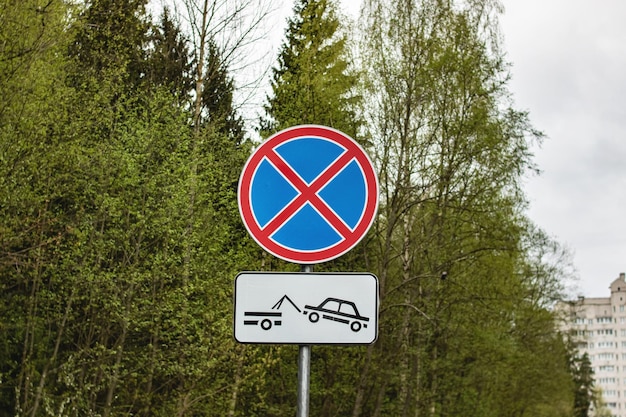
(110, 41)
(120, 234)
(169, 63)
(101, 314)
(582, 375)
(313, 83)
(464, 319)
(217, 97)
(32, 91)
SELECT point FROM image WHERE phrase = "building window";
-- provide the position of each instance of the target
(621, 308)
(607, 368)
(608, 380)
(604, 320)
(590, 321)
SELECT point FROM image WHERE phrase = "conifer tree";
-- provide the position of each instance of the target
(217, 97)
(584, 384)
(169, 61)
(110, 42)
(313, 82)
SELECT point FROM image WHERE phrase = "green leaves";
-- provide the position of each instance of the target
(451, 154)
(120, 234)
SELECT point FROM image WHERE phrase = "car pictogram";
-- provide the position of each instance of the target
(338, 310)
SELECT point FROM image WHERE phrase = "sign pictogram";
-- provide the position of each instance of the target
(310, 308)
(308, 194)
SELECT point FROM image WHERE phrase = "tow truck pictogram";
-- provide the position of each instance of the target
(268, 318)
(333, 309)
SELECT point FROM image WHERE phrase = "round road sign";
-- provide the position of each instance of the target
(308, 194)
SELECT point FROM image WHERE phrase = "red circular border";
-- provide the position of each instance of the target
(308, 257)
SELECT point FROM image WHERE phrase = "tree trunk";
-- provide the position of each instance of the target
(55, 352)
(360, 392)
(232, 407)
(116, 369)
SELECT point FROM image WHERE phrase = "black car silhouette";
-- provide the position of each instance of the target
(341, 311)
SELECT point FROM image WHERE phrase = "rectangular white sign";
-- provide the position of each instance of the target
(306, 308)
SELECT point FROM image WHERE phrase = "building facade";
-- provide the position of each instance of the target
(598, 327)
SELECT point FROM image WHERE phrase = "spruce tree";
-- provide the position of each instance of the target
(584, 384)
(217, 97)
(110, 42)
(169, 62)
(313, 82)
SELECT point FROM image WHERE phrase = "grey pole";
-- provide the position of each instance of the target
(304, 370)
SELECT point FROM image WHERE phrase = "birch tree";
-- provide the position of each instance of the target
(451, 152)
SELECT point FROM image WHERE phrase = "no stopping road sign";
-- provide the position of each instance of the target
(308, 194)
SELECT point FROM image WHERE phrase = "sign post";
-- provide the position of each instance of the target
(304, 378)
(306, 308)
(307, 195)
(304, 370)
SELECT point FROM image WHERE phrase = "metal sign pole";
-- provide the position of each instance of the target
(304, 370)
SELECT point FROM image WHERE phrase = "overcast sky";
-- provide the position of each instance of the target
(569, 72)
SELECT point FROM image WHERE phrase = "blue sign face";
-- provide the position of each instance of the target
(308, 229)
(308, 194)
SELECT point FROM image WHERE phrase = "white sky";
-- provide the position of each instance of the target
(569, 72)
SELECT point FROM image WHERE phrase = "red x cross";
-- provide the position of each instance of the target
(308, 193)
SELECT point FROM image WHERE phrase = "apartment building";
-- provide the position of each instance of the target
(599, 328)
